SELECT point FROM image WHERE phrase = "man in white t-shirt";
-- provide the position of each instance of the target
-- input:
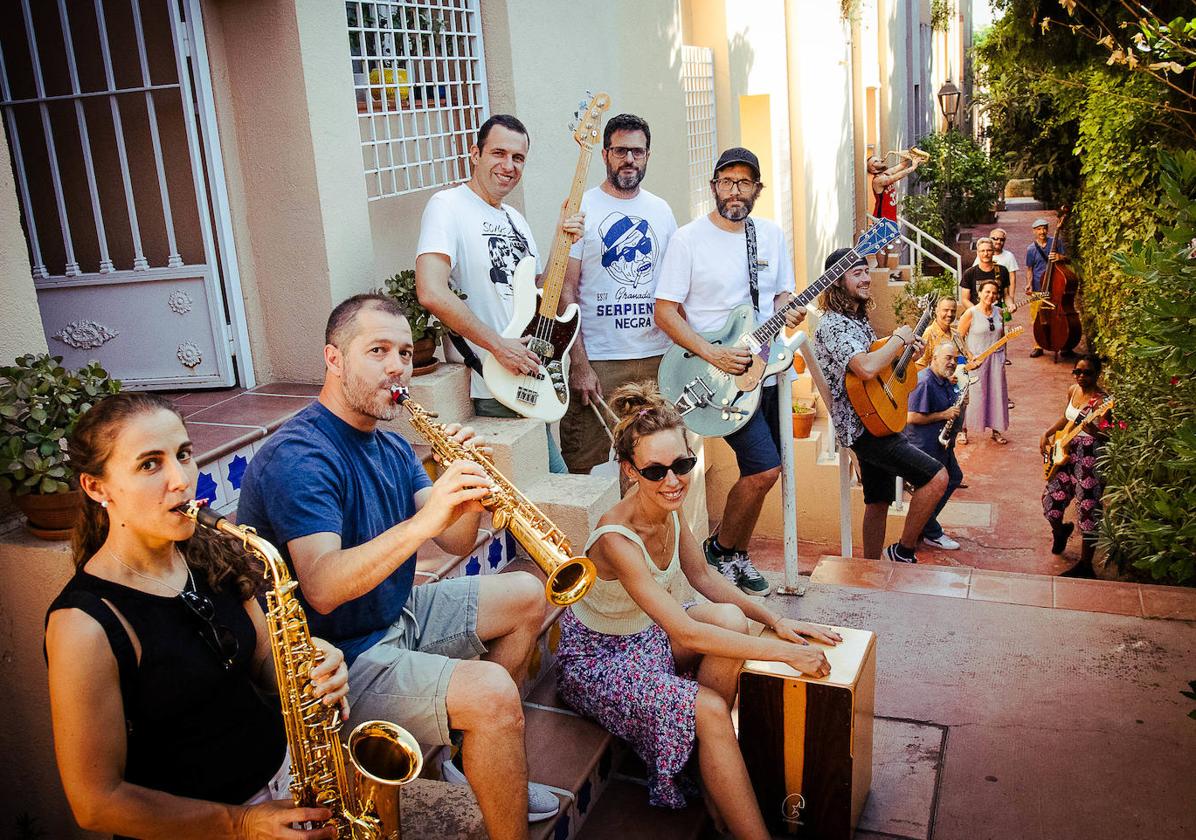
(705, 275)
(1000, 255)
(612, 276)
(469, 240)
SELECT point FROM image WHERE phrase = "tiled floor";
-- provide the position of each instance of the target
(1132, 599)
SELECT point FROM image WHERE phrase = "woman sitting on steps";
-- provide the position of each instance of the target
(654, 672)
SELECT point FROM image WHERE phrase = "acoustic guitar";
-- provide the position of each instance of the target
(544, 395)
(882, 402)
(1058, 455)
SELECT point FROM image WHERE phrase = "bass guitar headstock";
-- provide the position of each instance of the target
(587, 120)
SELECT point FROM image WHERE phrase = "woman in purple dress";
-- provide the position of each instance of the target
(659, 674)
(981, 327)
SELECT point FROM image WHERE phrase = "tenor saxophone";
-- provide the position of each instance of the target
(383, 756)
(569, 578)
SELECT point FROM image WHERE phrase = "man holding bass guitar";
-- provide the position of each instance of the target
(714, 264)
(842, 343)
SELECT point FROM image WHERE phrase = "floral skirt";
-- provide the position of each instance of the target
(630, 685)
(1077, 479)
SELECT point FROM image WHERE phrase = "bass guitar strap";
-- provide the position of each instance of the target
(749, 233)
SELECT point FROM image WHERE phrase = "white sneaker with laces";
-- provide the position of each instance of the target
(943, 541)
(542, 803)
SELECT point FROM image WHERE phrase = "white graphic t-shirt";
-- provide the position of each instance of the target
(621, 254)
(705, 270)
(1005, 258)
(483, 251)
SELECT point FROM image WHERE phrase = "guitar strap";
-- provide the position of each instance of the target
(749, 233)
(467, 355)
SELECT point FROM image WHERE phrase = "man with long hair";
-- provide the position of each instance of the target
(842, 343)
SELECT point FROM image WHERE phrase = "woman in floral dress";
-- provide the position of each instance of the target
(659, 674)
(1077, 479)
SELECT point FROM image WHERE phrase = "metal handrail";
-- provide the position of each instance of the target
(921, 250)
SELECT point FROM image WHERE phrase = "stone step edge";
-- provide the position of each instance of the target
(966, 573)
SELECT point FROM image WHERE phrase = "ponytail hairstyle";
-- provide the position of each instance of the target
(642, 411)
(224, 562)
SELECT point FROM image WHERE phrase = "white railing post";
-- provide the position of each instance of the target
(792, 585)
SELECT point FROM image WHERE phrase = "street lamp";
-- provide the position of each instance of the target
(948, 97)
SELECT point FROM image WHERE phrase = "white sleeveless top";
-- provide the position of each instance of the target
(607, 608)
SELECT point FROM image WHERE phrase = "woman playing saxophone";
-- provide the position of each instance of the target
(157, 651)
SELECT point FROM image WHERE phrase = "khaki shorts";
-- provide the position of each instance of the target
(583, 440)
(404, 677)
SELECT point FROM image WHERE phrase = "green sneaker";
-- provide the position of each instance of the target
(750, 579)
(725, 566)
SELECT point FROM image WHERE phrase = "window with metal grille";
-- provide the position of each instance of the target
(697, 79)
(420, 78)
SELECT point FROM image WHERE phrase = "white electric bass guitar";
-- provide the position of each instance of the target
(544, 395)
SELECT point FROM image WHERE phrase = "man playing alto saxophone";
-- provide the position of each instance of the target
(348, 505)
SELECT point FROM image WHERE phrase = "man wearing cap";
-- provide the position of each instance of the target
(714, 264)
(1038, 257)
(612, 276)
(842, 343)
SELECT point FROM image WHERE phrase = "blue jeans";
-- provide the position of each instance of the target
(946, 457)
(493, 408)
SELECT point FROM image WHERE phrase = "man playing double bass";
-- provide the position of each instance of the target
(1043, 251)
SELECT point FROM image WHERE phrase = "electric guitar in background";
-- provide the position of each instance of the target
(882, 402)
(979, 358)
(714, 403)
(1057, 455)
(544, 395)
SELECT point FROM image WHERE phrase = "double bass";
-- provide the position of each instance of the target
(1057, 327)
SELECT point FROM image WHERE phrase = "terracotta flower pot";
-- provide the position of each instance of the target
(802, 424)
(52, 516)
(424, 356)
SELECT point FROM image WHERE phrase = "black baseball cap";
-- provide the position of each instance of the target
(738, 154)
(838, 254)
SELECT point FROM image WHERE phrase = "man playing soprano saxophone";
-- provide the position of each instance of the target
(348, 505)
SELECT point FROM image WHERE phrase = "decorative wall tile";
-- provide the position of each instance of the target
(84, 335)
(189, 355)
(180, 302)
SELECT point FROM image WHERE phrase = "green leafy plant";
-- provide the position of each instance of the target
(907, 306)
(40, 402)
(805, 405)
(423, 323)
(941, 12)
(961, 182)
(1149, 466)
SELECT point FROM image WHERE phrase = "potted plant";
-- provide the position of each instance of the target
(426, 329)
(805, 409)
(40, 402)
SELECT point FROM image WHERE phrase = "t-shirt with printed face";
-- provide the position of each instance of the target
(483, 251)
(621, 254)
(317, 474)
(705, 270)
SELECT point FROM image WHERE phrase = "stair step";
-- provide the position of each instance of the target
(444, 391)
(520, 447)
(432, 808)
(574, 503)
(573, 754)
(623, 812)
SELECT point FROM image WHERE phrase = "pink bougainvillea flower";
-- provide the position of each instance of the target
(1175, 380)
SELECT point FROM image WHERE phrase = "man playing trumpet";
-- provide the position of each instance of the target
(348, 505)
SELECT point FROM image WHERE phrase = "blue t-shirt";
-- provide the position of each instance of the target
(930, 395)
(318, 474)
(1036, 259)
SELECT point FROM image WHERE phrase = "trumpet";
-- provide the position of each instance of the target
(382, 757)
(569, 578)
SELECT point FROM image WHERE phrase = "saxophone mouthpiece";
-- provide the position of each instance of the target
(398, 394)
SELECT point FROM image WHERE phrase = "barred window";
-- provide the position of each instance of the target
(697, 79)
(420, 78)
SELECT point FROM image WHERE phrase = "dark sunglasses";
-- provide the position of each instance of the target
(657, 472)
(218, 637)
(1081, 372)
(991, 326)
(998, 239)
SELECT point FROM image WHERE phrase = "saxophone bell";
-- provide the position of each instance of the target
(384, 757)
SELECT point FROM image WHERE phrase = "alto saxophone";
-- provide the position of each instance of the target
(383, 756)
(569, 578)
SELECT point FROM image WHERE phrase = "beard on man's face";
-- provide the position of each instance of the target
(366, 397)
(737, 213)
(626, 176)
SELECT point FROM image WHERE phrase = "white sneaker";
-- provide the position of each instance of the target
(943, 541)
(542, 803)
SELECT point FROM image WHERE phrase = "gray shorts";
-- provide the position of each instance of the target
(404, 677)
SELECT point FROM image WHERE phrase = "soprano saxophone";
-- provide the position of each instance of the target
(383, 756)
(569, 578)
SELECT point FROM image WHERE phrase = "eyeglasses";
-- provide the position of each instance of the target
(1081, 372)
(998, 238)
(727, 185)
(218, 637)
(657, 472)
(624, 152)
(991, 326)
